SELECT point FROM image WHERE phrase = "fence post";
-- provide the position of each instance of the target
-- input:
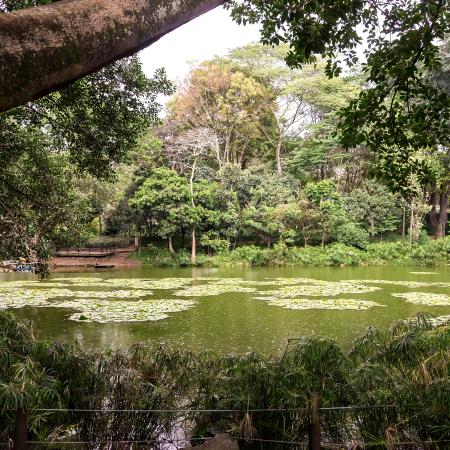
(20, 442)
(314, 422)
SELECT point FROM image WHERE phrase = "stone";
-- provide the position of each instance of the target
(219, 442)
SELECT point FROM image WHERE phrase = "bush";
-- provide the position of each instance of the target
(350, 234)
(432, 253)
(342, 255)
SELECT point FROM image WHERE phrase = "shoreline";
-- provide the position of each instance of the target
(119, 260)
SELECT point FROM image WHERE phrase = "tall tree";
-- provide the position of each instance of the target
(186, 153)
(302, 96)
(164, 198)
(230, 104)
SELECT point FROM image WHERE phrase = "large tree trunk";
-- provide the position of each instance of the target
(47, 47)
(443, 214)
(438, 220)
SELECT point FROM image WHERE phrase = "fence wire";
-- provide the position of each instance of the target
(341, 427)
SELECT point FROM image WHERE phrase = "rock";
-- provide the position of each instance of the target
(218, 442)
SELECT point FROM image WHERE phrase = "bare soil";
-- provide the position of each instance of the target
(119, 259)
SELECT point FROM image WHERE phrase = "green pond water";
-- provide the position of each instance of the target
(224, 310)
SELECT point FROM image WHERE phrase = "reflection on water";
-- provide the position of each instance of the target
(232, 319)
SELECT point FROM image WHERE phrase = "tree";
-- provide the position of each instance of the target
(301, 96)
(298, 219)
(87, 128)
(324, 196)
(374, 208)
(230, 104)
(420, 169)
(186, 152)
(401, 107)
(164, 199)
(258, 193)
(78, 37)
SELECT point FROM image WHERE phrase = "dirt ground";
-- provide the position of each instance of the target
(119, 260)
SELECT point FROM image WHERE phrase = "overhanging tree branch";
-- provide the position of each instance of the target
(45, 48)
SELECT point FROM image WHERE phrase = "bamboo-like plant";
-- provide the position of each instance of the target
(393, 386)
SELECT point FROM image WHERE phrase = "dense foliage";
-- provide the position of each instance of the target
(50, 145)
(250, 153)
(403, 113)
(397, 380)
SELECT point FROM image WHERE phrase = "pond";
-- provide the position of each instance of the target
(224, 310)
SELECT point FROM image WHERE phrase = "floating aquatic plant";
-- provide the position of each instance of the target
(20, 298)
(120, 294)
(320, 290)
(124, 311)
(30, 283)
(67, 293)
(291, 281)
(206, 290)
(424, 298)
(162, 283)
(424, 273)
(307, 303)
(81, 279)
(408, 284)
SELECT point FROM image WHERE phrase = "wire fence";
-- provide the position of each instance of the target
(311, 427)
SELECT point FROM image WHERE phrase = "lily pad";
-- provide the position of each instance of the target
(320, 290)
(20, 298)
(206, 290)
(307, 303)
(408, 284)
(77, 280)
(31, 284)
(425, 273)
(162, 283)
(291, 281)
(124, 311)
(120, 294)
(424, 298)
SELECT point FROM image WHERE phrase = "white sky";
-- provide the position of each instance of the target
(211, 34)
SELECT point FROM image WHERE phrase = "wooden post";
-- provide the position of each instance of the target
(20, 442)
(314, 422)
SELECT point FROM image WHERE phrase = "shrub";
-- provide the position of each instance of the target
(431, 253)
(350, 234)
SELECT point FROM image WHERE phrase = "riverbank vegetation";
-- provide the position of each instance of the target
(428, 253)
(396, 381)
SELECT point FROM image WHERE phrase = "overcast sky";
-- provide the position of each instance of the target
(213, 33)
